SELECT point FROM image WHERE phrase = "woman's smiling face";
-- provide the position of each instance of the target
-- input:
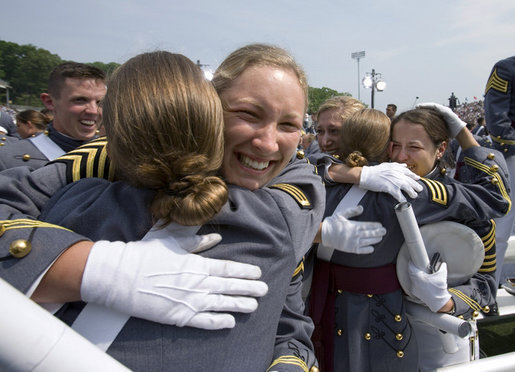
(412, 145)
(263, 115)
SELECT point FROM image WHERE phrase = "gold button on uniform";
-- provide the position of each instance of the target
(314, 369)
(491, 156)
(400, 354)
(340, 291)
(486, 309)
(26, 157)
(398, 318)
(494, 168)
(4, 139)
(494, 181)
(339, 332)
(368, 336)
(370, 295)
(398, 336)
(2, 144)
(475, 314)
(20, 248)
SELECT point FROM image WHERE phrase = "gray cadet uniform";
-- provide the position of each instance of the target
(500, 105)
(7, 124)
(356, 300)
(500, 122)
(35, 152)
(271, 227)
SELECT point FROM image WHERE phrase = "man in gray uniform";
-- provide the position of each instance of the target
(500, 122)
(74, 93)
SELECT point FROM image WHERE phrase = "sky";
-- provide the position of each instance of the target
(424, 50)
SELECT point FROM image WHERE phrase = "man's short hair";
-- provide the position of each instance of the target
(392, 105)
(71, 70)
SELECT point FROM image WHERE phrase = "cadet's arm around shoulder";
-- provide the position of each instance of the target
(342, 173)
(466, 139)
(62, 281)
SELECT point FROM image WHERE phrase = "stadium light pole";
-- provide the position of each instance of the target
(357, 56)
(207, 72)
(374, 81)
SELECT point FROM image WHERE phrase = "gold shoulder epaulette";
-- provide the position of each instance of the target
(296, 193)
(438, 191)
(497, 83)
(87, 161)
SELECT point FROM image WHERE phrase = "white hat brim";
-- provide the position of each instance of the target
(459, 246)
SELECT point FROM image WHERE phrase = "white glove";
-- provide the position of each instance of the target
(159, 280)
(431, 289)
(349, 236)
(391, 178)
(454, 123)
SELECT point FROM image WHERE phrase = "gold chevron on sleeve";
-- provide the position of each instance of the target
(494, 174)
(497, 83)
(299, 269)
(291, 360)
(26, 224)
(437, 190)
(88, 160)
(296, 193)
(469, 301)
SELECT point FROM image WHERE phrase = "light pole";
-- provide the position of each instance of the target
(207, 73)
(375, 82)
(357, 56)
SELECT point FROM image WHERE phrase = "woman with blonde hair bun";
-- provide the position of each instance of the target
(164, 123)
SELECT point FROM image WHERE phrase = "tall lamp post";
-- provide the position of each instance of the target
(207, 72)
(374, 81)
(357, 56)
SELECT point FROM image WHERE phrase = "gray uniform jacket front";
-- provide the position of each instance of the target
(267, 227)
(500, 105)
(23, 152)
(371, 331)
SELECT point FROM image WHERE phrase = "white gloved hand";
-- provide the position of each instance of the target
(454, 123)
(391, 178)
(431, 289)
(160, 281)
(344, 235)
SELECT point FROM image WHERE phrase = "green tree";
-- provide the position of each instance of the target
(108, 68)
(318, 95)
(26, 69)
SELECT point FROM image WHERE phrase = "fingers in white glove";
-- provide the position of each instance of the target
(342, 234)
(391, 178)
(454, 123)
(429, 288)
(352, 212)
(211, 321)
(159, 281)
(201, 243)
